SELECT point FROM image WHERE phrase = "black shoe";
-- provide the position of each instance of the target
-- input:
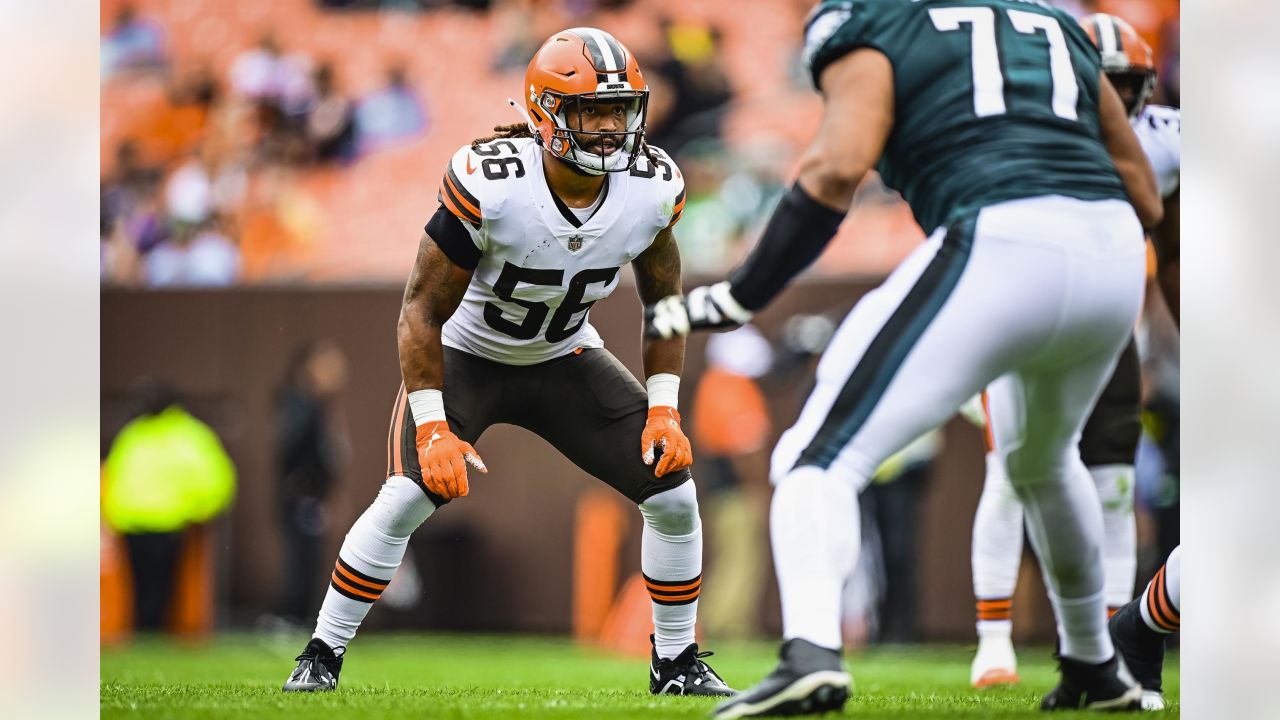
(685, 674)
(1142, 650)
(809, 680)
(318, 669)
(1106, 686)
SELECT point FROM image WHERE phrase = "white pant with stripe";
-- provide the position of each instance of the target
(1041, 292)
(1046, 292)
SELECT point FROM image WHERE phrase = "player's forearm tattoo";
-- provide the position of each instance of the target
(658, 269)
(436, 285)
(657, 276)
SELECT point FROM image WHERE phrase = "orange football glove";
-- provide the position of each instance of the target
(662, 430)
(444, 458)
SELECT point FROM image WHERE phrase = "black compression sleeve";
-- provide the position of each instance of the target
(798, 230)
(447, 232)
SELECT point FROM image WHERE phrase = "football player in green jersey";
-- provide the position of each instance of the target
(994, 120)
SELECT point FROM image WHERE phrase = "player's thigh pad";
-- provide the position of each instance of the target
(895, 368)
(1038, 410)
(1022, 284)
(472, 395)
(593, 410)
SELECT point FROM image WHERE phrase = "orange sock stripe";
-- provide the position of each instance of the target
(359, 579)
(675, 594)
(995, 610)
(338, 581)
(1156, 605)
(1172, 620)
(674, 599)
(671, 586)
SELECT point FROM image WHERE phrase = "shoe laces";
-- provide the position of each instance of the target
(700, 667)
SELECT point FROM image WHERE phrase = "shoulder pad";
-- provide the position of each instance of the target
(664, 178)
(476, 179)
(456, 187)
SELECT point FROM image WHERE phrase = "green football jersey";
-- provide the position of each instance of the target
(994, 100)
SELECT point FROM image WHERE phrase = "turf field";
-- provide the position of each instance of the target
(432, 676)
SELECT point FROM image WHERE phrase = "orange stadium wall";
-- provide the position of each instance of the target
(502, 559)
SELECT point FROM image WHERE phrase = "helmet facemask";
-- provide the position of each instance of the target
(1135, 86)
(596, 151)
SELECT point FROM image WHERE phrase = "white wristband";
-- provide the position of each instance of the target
(427, 406)
(664, 390)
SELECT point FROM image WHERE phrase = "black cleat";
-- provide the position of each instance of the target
(809, 680)
(1107, 686)
(318, 669)
(685, 674)
(1142, 650)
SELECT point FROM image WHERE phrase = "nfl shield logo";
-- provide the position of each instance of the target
(574, 243)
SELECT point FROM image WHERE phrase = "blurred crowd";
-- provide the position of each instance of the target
(205, 193)
(246, 166)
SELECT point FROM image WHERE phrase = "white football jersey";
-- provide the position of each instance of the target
(539, 273)
(1159, 129)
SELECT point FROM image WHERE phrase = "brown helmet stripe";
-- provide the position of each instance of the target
(606, 53)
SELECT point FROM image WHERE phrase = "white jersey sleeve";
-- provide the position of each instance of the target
(467, 190)
(1159, 129)
(666, 185)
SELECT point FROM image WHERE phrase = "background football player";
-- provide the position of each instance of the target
(533, 227)
(994, 120)
(1109, 442)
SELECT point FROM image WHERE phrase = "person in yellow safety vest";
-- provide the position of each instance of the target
(166, 470)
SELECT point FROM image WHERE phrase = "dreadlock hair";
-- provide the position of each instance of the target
(504, 132)
(521, 130)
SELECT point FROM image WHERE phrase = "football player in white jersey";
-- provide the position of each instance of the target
(533, 227)
(1109, 441)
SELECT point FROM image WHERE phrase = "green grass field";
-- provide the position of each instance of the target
(483, 677)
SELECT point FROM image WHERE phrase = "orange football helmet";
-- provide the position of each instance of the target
(1127, 59)
(577, 67)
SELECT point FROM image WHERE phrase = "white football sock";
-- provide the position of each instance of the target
(1115, 484)
(1064, 521)
(1161, 604)
(814, 527)
(369, 557)
(671, 560)
(996, 551)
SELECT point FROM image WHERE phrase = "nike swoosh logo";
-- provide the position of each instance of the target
(432, 440)
(470, 170)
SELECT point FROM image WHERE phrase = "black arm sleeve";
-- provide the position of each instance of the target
(447, 231)
(798, 230)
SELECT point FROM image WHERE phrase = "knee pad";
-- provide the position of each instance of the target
(400, 507)
(674, 511)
